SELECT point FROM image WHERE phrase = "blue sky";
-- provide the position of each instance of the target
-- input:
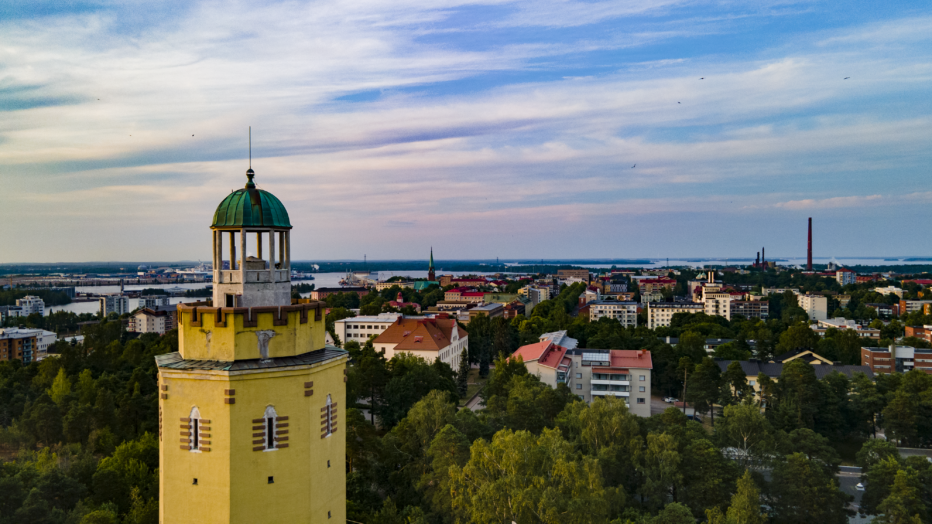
(485, 129)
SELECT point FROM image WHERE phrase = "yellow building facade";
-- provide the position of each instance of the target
(251, 405)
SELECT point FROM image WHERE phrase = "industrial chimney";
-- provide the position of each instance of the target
(809, 250)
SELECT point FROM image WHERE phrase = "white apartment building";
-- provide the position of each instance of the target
(660, 313)
(816, 306)
(35, 342)
(30, 305)
(841, 323)
(889, 290)
(152, 301)
(593, 373)
(624, 312)
(10, 312)
(118, 304)
(361, 328)
(846, 276)
(153, 320)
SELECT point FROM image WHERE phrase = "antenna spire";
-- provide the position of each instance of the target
(249, 172)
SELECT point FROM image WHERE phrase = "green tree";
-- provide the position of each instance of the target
(744, 507)
(798, 336)
(705, 386)
(903, 505)
(736, 379)
(462, 375)
(798, 396)
(745, 430)
(804, 492)
(660, 469)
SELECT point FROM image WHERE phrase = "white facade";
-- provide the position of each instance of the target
(152, 301)
(889, 290)
(118, 304)
(846, 276)
(10, 312)
(150, 320)
(816, 306)
(660, 313)
(30, 305)
(361, 328)
(624, 312)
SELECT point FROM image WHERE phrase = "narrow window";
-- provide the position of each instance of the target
(270, 416)
(194, 428)
(329, 414)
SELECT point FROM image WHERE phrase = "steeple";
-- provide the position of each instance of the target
(430, 268)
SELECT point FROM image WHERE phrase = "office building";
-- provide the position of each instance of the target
(845, 276)
(361, 329)
(30, 305)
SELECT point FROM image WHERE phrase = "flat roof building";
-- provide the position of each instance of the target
(660, 313)
(897, 359)
(624, 312)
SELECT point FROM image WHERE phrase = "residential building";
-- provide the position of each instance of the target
(536, 295)
(843, 300)
(560, 338)
(613, 372)
(464, 294)
(651, 296)
(752, 368)
(883, 310)
(18, 344)
(448, 280)
(400, 303)
(31, 304)
(429, 338)
(152, 301)
(10, 312)
(591, 373)
(751, 308)
(160, 319)
(889, 290)
(382, 286)
(660, 313)
(581, 274)
(624, 312)
(924, 332)
(778, 290)
(451, 305)
(802, 354)
(361, 328)
(816, 306)
(324, 292)
(118, 304)
(489, 310)
(515, 308)
(897, 359)
(846, 276)
(911, 306)
(651, 285)
(840, 323)
(863, 279)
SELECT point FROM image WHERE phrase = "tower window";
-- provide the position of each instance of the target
(270, 417)
(194, 428)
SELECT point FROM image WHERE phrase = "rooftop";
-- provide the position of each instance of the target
(251, 207)
(426, 334)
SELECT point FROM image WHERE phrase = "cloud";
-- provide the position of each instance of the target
(499, 119)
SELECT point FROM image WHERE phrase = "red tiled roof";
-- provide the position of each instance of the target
(546, 353)
(419, 334)
(623, 359)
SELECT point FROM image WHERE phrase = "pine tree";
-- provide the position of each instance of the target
(745, 504)
(462, 374)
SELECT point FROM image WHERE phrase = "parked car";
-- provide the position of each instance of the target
(668, 400)
(860, 487)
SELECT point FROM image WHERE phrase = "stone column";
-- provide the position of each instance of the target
(272, 253)
(242, 253)
(259, 245)
(232, 250)
(288, 248)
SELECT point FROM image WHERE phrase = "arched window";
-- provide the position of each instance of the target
(194, 441)
(270, 416)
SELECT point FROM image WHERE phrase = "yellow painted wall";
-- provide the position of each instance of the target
(235, 342)
(232, 478)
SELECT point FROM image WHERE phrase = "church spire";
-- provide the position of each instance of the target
(430, 268)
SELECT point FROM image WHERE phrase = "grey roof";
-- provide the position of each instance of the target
(773, 370)
(174, 361)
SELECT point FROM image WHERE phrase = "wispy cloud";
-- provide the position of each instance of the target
(493, 116)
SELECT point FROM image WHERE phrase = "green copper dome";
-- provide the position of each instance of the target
(251, 207)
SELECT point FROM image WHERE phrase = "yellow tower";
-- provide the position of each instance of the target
(250, 405)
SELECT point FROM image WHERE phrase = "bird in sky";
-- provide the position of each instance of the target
(635, 165)
(847, 77)
(677, 102)
(703, 78)
(192, 135)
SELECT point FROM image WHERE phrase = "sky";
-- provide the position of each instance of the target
(538, 129)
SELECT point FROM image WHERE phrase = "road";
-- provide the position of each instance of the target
(658, 406)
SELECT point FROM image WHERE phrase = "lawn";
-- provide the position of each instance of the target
(474, 384)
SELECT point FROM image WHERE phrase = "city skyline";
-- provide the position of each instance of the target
(612, 130)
